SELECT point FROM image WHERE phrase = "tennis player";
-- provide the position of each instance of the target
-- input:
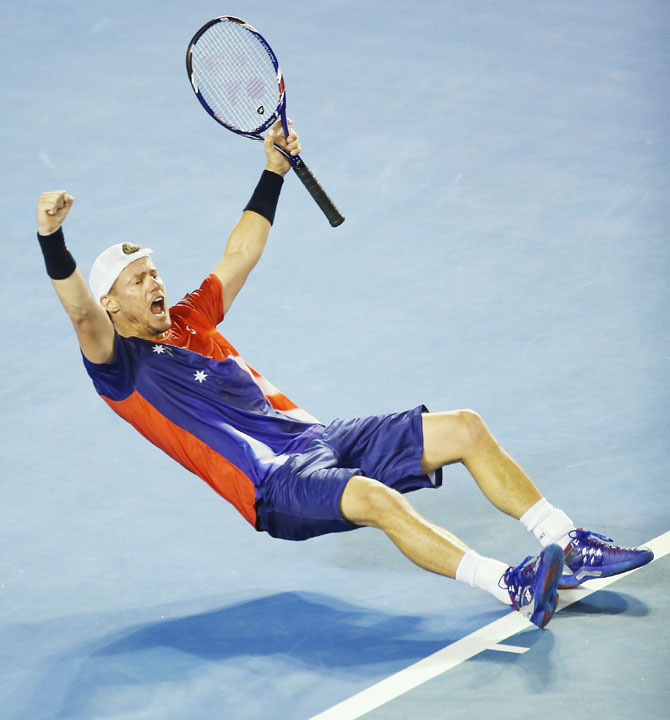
(180, 383)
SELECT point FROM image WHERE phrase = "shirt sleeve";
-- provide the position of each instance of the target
(115, 380)
(206, 301)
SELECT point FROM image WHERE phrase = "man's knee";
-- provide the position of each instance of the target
(473, 427)
(368, 502)
(450, 437)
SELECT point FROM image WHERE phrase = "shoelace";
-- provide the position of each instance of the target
(512, 576)
(587, 537)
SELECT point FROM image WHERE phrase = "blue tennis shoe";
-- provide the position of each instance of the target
(590, 555)
(532, 585)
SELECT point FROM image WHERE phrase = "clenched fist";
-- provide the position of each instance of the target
(52, 209)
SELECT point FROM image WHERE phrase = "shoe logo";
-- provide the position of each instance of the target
(588, 573)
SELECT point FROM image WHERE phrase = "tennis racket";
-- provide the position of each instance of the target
(237, 79)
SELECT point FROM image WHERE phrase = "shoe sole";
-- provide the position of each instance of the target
(548, 575)
(571, 581)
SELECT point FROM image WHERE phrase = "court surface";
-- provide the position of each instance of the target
(504, 170)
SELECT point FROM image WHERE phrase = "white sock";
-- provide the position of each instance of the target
(548, 524)
(483, 573)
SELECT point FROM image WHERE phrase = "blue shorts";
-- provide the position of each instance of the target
(301, 498)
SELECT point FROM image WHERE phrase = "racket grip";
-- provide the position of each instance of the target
(314, 188)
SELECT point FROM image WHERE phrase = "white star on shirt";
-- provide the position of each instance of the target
(159, 349)
(200, 375)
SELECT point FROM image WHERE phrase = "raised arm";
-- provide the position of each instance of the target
(94, 329)
(247, 240)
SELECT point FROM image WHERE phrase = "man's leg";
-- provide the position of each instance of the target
(530, 587)
(370, 503)
(462, 436)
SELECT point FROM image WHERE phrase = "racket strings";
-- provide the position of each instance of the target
(236, 76)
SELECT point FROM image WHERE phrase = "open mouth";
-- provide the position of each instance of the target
(158, 306)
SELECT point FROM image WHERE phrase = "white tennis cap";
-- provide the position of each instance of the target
(109, 265)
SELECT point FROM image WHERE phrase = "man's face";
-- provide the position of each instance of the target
(138, 300)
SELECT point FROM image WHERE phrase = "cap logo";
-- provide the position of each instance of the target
(129, 248)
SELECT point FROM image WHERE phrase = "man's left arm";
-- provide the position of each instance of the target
(247, 240)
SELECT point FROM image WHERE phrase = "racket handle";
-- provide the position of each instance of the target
(314, 188)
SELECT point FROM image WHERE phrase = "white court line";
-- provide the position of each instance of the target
(509, 649)
(486, 638)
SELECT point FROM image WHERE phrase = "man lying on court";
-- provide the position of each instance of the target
(171, 375)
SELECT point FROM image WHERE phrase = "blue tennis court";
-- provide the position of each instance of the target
(504, 170)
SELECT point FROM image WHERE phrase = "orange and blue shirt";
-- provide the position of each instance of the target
(193, 396)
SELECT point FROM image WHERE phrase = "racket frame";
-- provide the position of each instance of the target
(281, 105)
(304, 173)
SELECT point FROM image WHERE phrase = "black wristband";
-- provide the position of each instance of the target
(60, 264)
(266, 195)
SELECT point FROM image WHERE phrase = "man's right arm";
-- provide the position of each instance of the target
(94, 329)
